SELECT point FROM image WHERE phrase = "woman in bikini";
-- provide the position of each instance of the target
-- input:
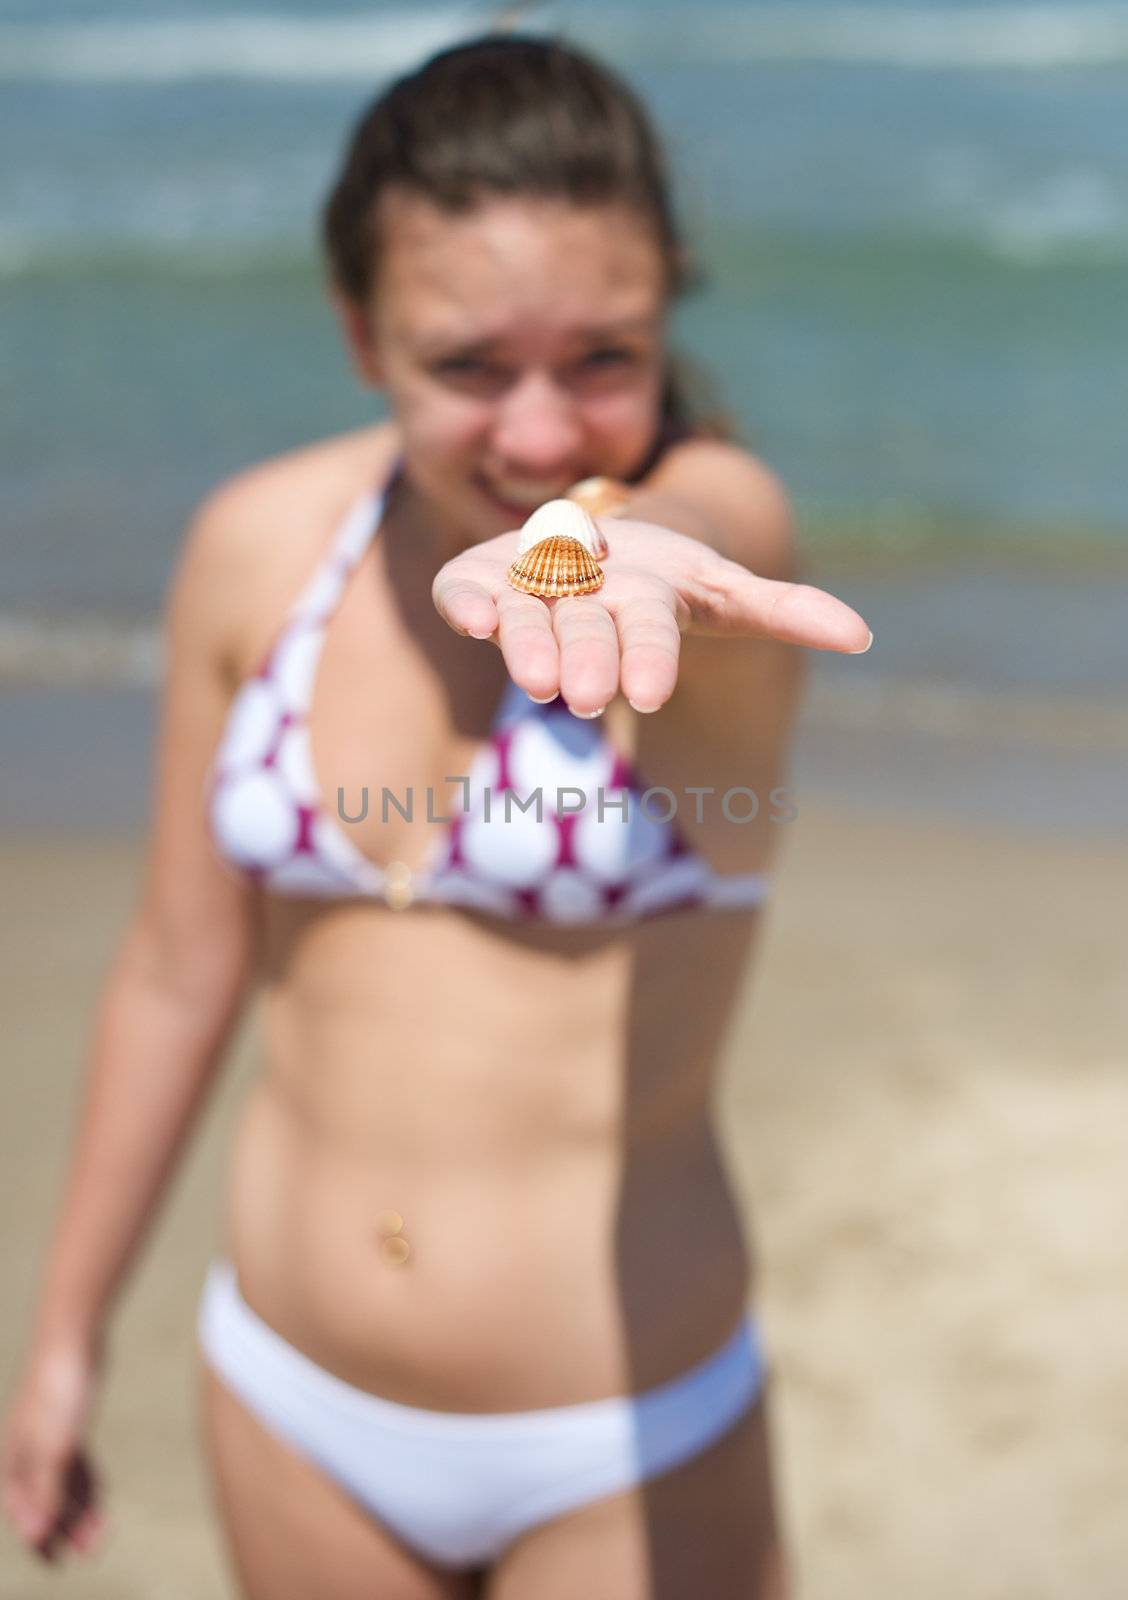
(480, 1325)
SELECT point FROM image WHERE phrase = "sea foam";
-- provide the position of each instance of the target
(346, 47)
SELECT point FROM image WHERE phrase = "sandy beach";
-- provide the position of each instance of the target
(924, 1106)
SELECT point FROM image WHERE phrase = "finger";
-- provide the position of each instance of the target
(464, 604)
(42, 1493)
(50, 1546)
(809, 616)
(651, 645)
(51, 1536)
(24, 1511)
(589, 654)
(528, 643)
(734, 600)
(32, 1500)
(32, 1487)
(86, 1532)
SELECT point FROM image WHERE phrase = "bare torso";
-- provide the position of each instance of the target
(535, 1103)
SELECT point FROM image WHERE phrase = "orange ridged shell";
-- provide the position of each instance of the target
(554, 567)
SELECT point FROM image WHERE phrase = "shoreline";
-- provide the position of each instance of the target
(79, 759)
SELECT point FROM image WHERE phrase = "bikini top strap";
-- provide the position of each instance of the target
(355, 532)
(363, 521)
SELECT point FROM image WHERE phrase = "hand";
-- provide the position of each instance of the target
(657, 585)
(47, 1483)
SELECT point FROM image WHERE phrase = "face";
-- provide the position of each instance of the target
(521, 346)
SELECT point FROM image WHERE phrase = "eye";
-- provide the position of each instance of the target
(461, 364)
(606, 366)
(471, 374)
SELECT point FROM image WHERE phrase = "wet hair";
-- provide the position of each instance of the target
(511, 114)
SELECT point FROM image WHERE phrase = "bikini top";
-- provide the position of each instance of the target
(590, 850)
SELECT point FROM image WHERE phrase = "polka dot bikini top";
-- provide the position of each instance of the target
(498, 848)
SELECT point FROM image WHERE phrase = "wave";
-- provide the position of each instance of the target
(349, 48)
(92, 652)
(937, 709)
(1027, 36)
(277, 49)
(140, 258)
(1060, 230)
(79, 651)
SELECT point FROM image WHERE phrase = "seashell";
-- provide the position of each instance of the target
(556, 566)
(600, 497)
(562, 517)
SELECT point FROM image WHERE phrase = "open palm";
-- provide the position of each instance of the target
(657, 585)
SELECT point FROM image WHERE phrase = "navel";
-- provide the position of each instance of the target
(393, 1247)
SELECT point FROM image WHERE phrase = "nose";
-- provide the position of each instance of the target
(537, 426)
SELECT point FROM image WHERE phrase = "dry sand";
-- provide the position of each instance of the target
(925, 1107)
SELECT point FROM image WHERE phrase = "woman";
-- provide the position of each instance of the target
(480, 1326)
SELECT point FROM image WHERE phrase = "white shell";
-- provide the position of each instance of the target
(566, 520)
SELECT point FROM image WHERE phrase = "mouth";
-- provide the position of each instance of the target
(518, 497)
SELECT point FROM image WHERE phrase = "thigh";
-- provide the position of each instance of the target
(707, 1527)
(291, 1532)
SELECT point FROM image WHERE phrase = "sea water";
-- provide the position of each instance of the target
(913, 220)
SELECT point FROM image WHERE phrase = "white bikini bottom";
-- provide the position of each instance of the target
(457, 1487)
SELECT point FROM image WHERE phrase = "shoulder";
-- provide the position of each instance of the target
(741, 498)
(246, 509)
(258, 533)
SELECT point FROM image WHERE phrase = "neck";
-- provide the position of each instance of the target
(426, 534)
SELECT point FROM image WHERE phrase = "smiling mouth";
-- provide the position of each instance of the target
(522, 499)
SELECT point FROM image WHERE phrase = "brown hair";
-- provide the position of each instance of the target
(510, 114)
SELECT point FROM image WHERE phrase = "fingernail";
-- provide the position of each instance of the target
(589, 715)
(547, 701)
(474, 634)
(645, 710)
(864, 648)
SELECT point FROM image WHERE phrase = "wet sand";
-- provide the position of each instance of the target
(925, 1108)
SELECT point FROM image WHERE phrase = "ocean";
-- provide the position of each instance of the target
(913, 220)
